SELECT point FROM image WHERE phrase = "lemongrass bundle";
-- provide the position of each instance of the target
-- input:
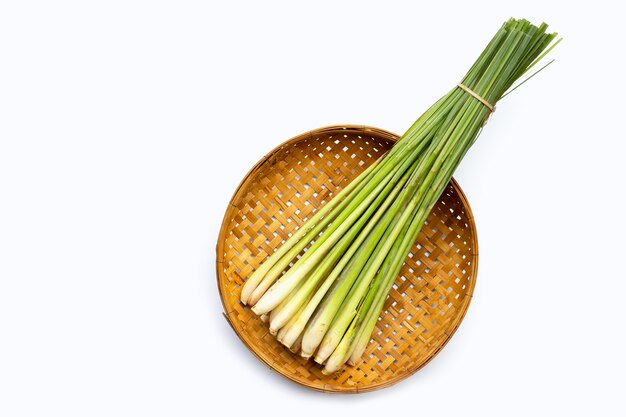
(327, 303)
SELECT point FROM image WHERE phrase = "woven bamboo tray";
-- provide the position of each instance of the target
(428, 300)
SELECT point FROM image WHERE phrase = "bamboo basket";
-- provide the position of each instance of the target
(428, 300)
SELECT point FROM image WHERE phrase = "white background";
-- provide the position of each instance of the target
(125, 126)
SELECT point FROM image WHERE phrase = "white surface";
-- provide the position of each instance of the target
(125, 126)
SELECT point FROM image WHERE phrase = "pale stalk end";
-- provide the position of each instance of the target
(325, 350)
(295, 348)
(332, 365)
(255, 296)
(251, 283)
(280, 319)
(281, 336)
(356, 355)
(293, 334)
(326, 372)
(319, 359)
(274, 330)
(336, 360)
(280, 290)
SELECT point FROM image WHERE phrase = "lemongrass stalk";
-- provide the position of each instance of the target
(332, 307)
(327, 328)
(490, 77)
(311, 228)
(442, 155)
(348, 343)
(341, 354)
(312, 304)
(405, 147)
(317, 223)
(269, 271)
(271, 268)
(387, 275)
(285, 328)
(295, 347)
(317, 328)
(286, 283)
(281, 306)
(439, 156)
(353, 239)
(289, 306)
(281, 288)
(395, 260)
(327, 310)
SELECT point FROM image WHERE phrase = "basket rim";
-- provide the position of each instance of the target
(222, 236)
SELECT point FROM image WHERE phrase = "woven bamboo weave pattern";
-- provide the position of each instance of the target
(425, 305)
